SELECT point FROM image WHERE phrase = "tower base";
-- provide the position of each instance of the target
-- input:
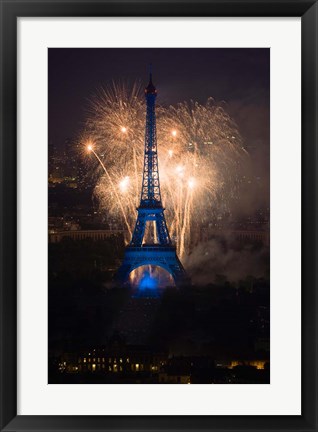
(155, 255)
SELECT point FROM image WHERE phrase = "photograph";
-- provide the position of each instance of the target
(158, 215)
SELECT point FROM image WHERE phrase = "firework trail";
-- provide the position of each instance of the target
(91, 149)
(200, 154)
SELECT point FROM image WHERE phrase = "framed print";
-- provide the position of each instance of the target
(158, 209)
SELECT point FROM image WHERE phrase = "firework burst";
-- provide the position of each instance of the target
(200, 156)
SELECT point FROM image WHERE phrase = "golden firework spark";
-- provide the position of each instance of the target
(200, 154)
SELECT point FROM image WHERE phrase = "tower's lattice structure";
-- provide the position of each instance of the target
(163, 252)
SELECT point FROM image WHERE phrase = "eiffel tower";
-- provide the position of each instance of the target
(163, 253)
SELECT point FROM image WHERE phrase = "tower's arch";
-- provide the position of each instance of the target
(153, 255)
(150, 276)
(146, 263)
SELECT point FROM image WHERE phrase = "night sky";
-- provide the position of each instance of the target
(238, 76)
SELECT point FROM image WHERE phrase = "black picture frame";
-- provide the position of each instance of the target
(10, 11)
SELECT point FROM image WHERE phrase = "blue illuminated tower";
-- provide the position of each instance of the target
(163, 252)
